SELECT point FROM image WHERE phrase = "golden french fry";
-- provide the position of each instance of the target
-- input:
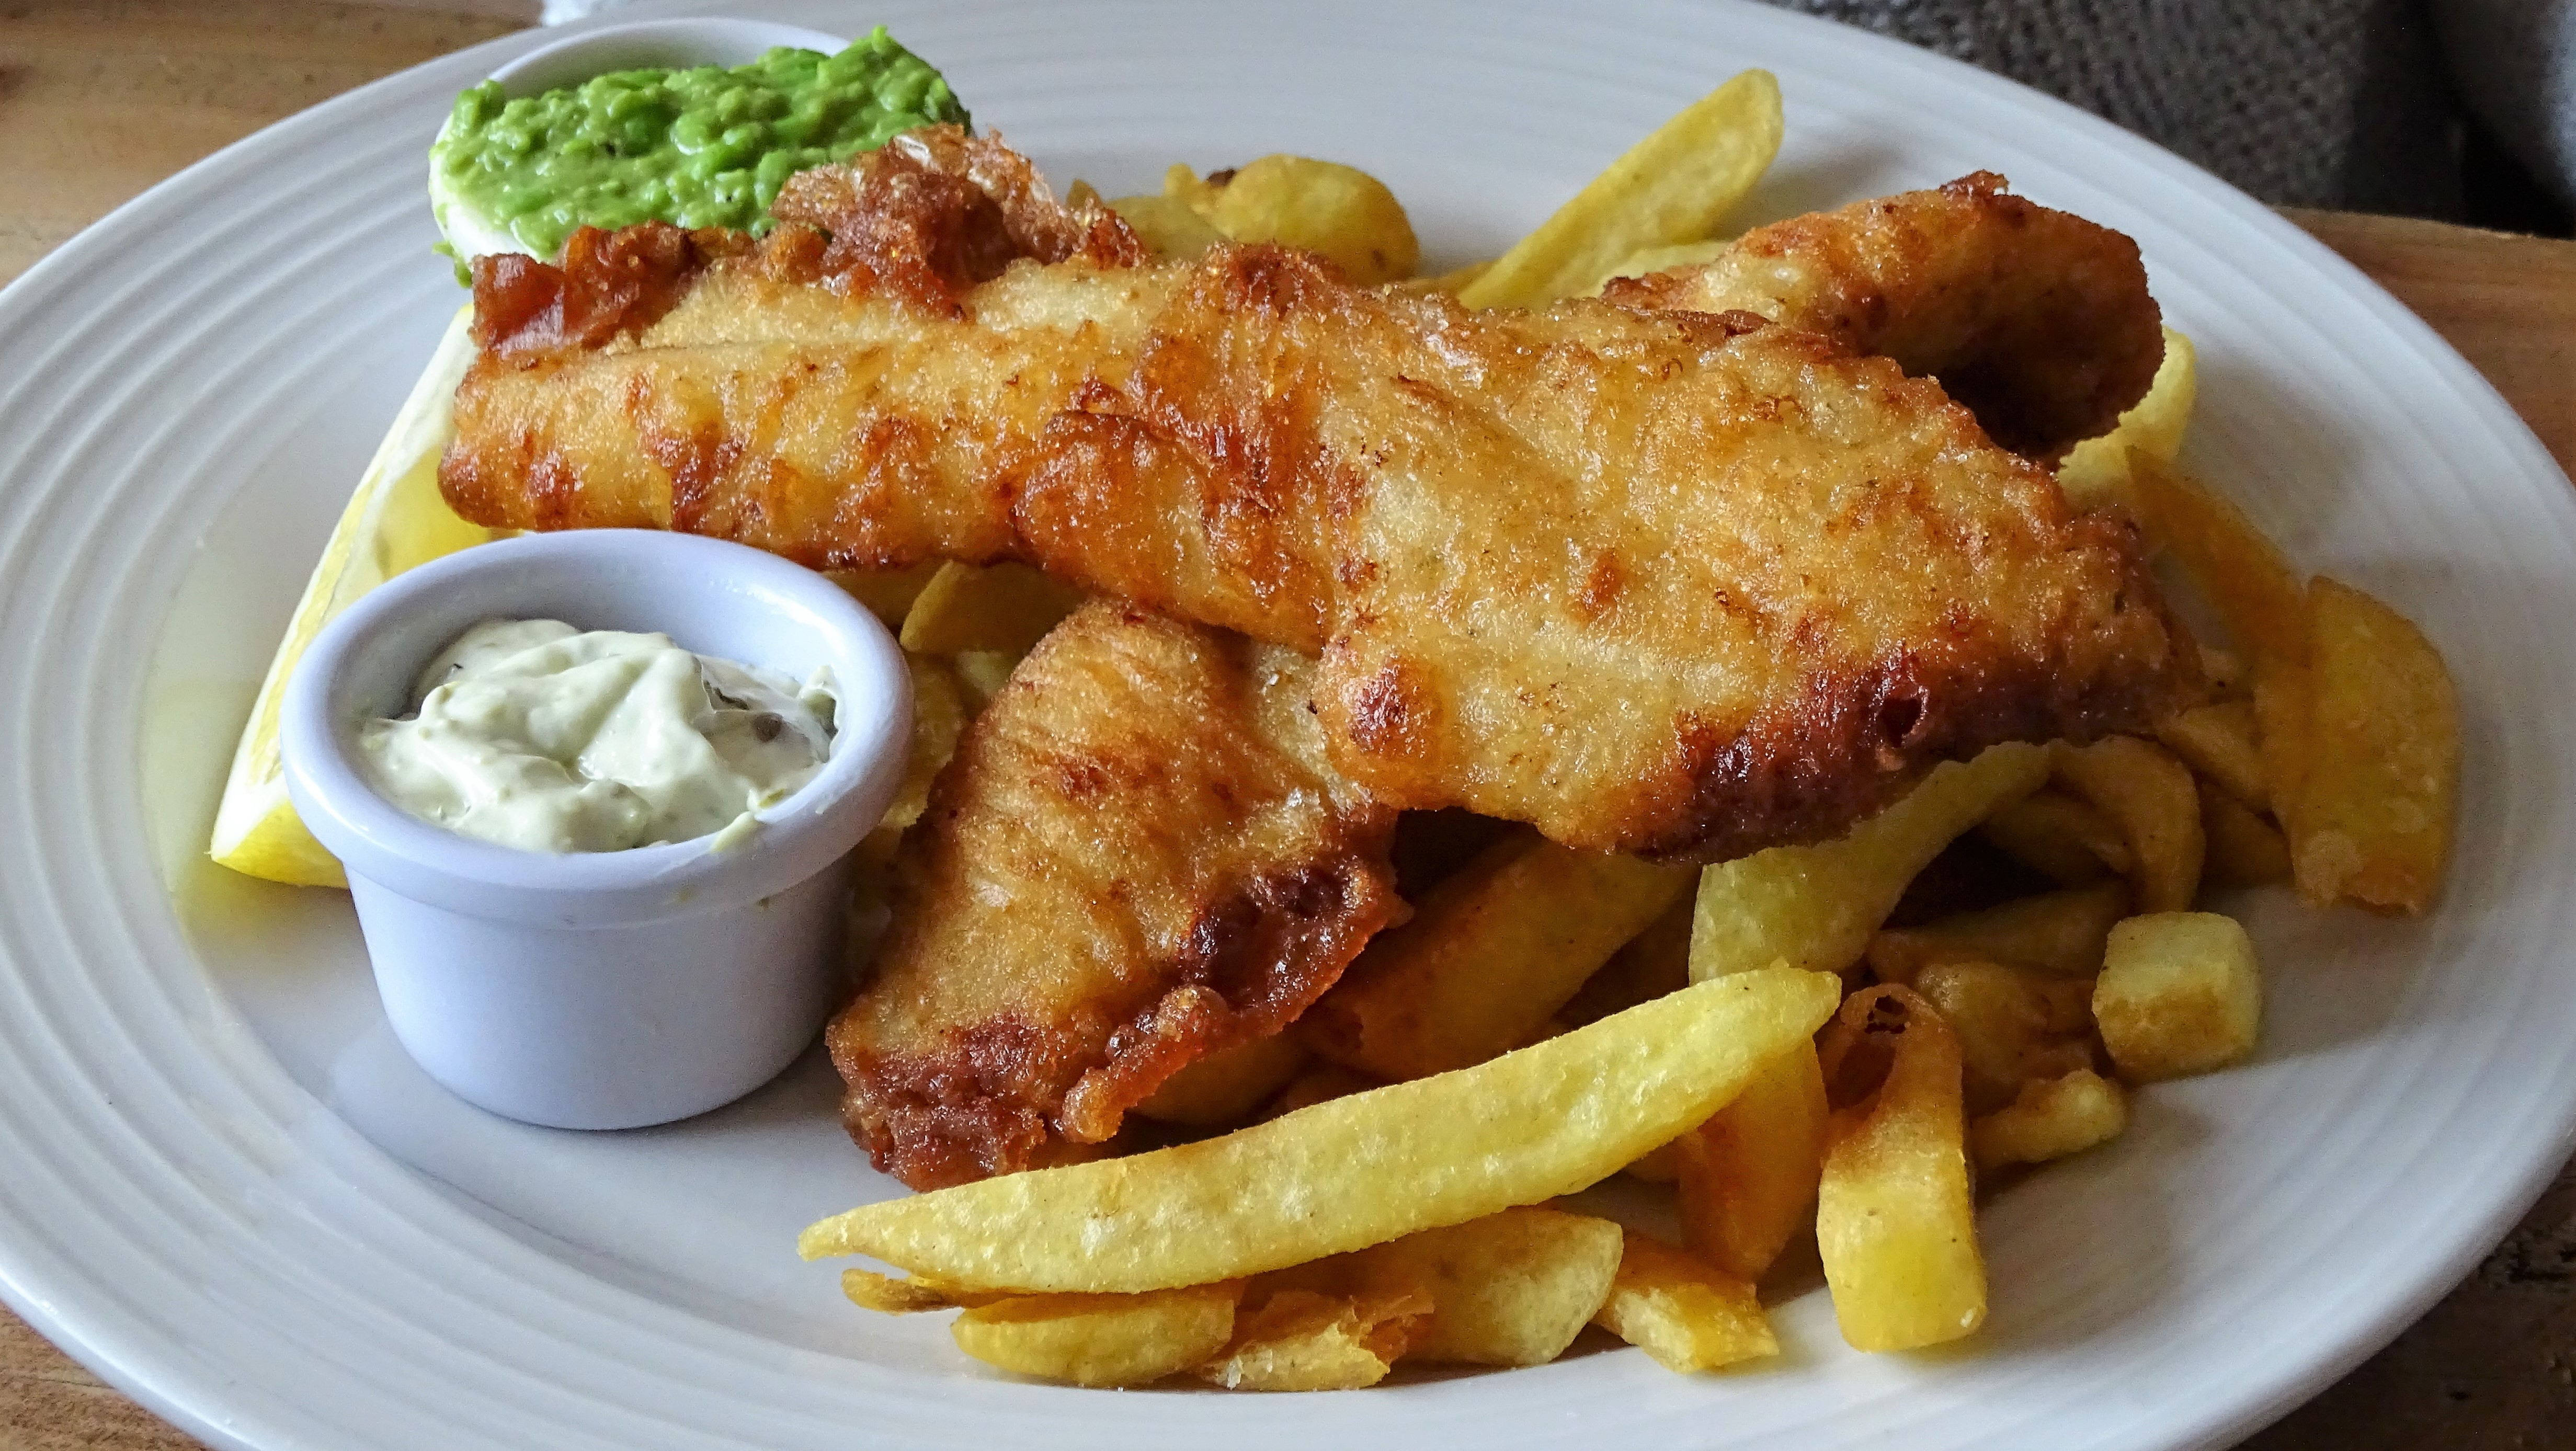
(2179, 994)
(1300, 1340)
(1647, 261)
(2225, 672)
(1512, 1288)
(1356, 1171)
(1656, 1166)
(2371, 823)
(1321, 206)
(2054, 932)
(1895, 1221)
(2061, 837)
(2013, 1026)
(1228, 1084)
(1687, 1314)
(1319, 1083)
(2050, 1119)
(889, 1296)
(1674, 186)
(982, 674)
(1746, 1178)
(888, 593)
(1452, 282)
(939, 717)
(1168, 224)
(2217, 741)
(2096, 471)
(1490, 954)
(1653, 963)
(1815, 906)
(1190, 189)
(2243, 573)
(2284, 700)
(2150, 794)
(2245, 850)
(1006, 607)
(1101, 1340)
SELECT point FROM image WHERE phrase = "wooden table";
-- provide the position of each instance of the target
(99, 100)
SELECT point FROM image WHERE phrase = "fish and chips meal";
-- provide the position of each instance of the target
(1392, 752)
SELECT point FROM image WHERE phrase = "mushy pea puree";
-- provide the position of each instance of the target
(538, 736)
(704, 147)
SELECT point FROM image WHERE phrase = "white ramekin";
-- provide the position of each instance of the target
(602, 989)
(654, 44)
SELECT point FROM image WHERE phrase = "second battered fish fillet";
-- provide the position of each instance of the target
(1659, 581)
(1136, 857)
(2037, 320)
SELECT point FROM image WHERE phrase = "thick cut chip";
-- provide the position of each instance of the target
(2054, 932)
(2244, 574)
(1815, 907)
(2217, 741)
(2245, 850)
(1675, 186)
(888, 593)
(1685, 1313)
(1101, 1340)
(1320, 1083)
(2150, 795)
(1302, 1340)
(888, 1295)
(1491, 953)
(1647, 261)
(1226, 1086)
(2061, 837)
(2372, 819)
(1357, 1171)
(1512, 1288)
(2284, 701)
(2180, 993)
(1322, 206)
(2050, 1119)
(1747, 1177)
(2013, 1026)
(1005, 607)
(1168, 224)
(1895, 1219)
(1655, 962)
(2096, 471)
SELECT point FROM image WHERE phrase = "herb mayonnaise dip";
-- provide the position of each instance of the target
(535, 735)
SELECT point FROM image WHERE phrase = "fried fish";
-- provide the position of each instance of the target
(1137, 857)
(1653, 579)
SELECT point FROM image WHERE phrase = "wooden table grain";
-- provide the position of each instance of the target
(101, 98)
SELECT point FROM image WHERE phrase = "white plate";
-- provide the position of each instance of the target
(224, 1188)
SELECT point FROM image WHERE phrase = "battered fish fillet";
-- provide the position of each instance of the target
(2040, 322)
(1659, 581)
(1137, 856)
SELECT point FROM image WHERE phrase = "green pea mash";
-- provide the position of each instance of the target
(705, 147)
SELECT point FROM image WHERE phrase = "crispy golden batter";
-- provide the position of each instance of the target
(1136, 857)
(2037, 320)
(1657, 581)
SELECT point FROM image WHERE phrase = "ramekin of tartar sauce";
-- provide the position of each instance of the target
(596, 793)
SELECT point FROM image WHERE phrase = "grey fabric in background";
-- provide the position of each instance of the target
(2336, 103)
(2514, 64)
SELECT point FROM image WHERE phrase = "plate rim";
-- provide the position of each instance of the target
(138, 1373)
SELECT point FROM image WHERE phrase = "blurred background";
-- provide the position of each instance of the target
(2462, 110)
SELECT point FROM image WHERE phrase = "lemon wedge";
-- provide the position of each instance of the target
(395, 520)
